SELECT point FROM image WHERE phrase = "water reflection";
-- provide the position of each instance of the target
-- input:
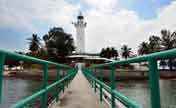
(139, 91)
(168, 93)
(17, 89)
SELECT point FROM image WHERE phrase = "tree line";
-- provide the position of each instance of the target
(57, 44)
(166, 41)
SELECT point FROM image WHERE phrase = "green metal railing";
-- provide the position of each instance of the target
(59, 84)
(151, 59)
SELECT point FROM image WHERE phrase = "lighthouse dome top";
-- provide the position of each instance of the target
(80, 16)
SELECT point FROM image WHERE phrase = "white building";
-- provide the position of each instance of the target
(80, 34)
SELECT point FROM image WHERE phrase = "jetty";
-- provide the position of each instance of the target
(79, 94)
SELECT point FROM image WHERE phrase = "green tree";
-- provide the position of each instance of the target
(114, 53)
(143, 48)
(58, 43)
(168, 41)
(154, 44)
(34, 44)
(109, 52)
(125, 51)
(42, 53)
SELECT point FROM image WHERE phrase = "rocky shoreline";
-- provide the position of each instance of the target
(32, 75)
(137, 75)
(120, 74)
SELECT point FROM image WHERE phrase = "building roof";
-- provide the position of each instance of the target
(88, 57)
(80, 16)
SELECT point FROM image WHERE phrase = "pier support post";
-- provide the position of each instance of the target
(154, 84)
(2, 61)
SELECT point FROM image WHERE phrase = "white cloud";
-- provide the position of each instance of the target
(104, 6)
(111, 29)
(108, 23)
(23, 14)
(125, 27)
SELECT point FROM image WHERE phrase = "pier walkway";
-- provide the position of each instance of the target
(79, 94)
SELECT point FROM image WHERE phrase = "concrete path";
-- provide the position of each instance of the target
(79, 95)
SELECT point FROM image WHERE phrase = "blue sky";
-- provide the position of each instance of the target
(146, 9)
(19, 19)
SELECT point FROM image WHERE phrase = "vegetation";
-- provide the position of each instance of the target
(143, 48)
(56, 44)
(165, 42)
(109, 52)
(125, 51)
(34, 44)
(168, 42)
(154, 44)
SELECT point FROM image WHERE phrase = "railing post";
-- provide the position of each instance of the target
(92, 82)
(154, 84)
(68, 79)
(2, 61)
(113, 87)
(101, 79)
(95, 89)
(45, 83)
(57, 78)
(63, 84)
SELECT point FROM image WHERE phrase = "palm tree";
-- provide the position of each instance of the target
(168, 41)
(125, 51)
(143, 48)
(34, 44)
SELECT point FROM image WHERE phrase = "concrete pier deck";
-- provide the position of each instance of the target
(79, 94)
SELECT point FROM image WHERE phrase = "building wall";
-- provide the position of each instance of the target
(80, 35)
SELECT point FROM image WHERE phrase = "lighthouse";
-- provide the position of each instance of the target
(80, 25)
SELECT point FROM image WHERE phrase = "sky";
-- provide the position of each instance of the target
(109, 22)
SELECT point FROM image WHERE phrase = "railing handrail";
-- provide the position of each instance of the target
(169, 54)
(15, 56)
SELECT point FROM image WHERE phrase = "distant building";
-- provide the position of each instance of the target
(81, 57)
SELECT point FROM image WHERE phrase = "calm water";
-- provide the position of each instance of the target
(17, 89)
(139, 92)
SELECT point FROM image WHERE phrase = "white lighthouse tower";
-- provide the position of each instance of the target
(80, 33)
